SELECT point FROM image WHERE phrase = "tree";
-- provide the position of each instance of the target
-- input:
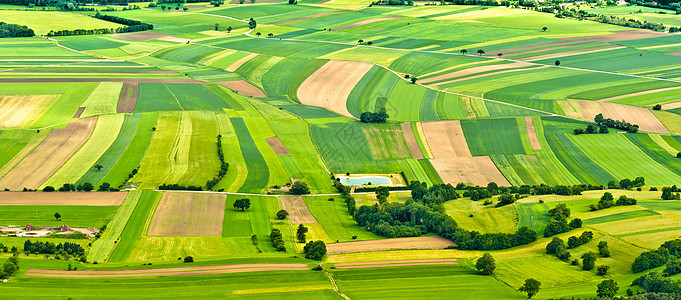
(99, 167)
(544, 28)
(270, 34)
(188, 259)
(603, 129)
(258, 33)
(499, 55)
(185, 9)
(292, 2)
(588, 261)
(486, 264)
(413, 80)
(50, 188)
(57, 216)
(252, 24)
(607, 288)
(531, 287)
(105, 186)
(360, 41)
(300, 234)
(299, 188)
(229, 29)
(602, 270)
(603, 249)
(464, 51)
(481, 52)
(554, 245)
(88, 187)
(315, 250)
(217, 26)
(575, 223)
(282, 214)
(657, 107)
(557, 63)
(370, 43)
(242, 204)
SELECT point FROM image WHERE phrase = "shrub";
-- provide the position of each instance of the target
(282, 214)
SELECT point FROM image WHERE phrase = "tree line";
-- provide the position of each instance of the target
(374, 117)
(123, 21)
(67, 32)
(622, 125)
(15, 30)
(607, 201)
(52, 248)
(224, 166)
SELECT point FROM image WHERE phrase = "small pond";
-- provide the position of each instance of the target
(365, 180)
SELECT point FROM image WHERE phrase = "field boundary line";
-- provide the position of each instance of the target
(335, 287)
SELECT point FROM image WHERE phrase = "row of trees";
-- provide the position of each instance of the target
(656, 258)
(671, 193)
(591, 129)
(607, 201)
(224, 166)
(67, 32)
(52, 248)
(622, 125)
(123, 21)
(15, 30)
(392, 2)
(178, 187)
(626, 183)
(492, 189)
(377, 117)
(277, 240)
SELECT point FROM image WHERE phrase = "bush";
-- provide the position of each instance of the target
(48, 188)
(602, 270)
(188, 259)
(588, 261)
(299, 188)
(315, 250)
(282, 214)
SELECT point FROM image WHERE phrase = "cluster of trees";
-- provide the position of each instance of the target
(392, 2)
(492, 189)
(507, 199)
(377, 117)
(591, 129)
(622, 125)
(123, 21)
(52, 248)
(656, 258)
(433, 196)
(607, 201)
(574, 241)
(558, 223)
(224, 166)
(315, 250)
(67, 32)
(300, 233)
(654, 282)
(557, 248)
(299, 188)
(671, 193)
(68, 187)
(177, 187)
(243, 204)
(10, 267)
(5, 249)
(627, 184)
(252, 24)
(15, 30)
(277, 240)
(573, 13)
(486, 264)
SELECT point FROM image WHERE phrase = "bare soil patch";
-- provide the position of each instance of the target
(244, 88)
(672, 105)
(617, 36)
(446, 139)
(79, 112)
(674, 53)
(643, 117)
(15, 110)
(474, 70)
(532, 134)
(240, 62)
(49, 156)
(307, 17)
(142, 36)
(421, 242)
(640, 93)
(277, 146)
(410, 138)
(568, 53)
(203, 270)
(127, 100)
(330, 86)
(298, 213)
(479, 170)
(360, 23)
(63, 198)
(188, 214)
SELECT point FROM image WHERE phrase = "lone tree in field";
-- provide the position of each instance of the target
(531, 287)
(370, 43)
(499, 55)
(300, 234)
(413, 79)
(299, 188)
(678, 155)
(217, 26)
(486, 264)
(99, 167)
(544, 28)
(258, 33)
(360, 41)
(242, 204)
(270, 34)
(185, 9)
(229, 29)
(557, 63)
(188, 259)
(57, 216)
(607, 288)
(481, 52)
(282, 214)
(315, 250)
(464, 51)
(588, 261)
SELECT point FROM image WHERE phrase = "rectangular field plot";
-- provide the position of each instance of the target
(161, 97)
(71, 215)
(188, 214)
(23, 110)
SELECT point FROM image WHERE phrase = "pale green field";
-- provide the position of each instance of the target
(43, 21)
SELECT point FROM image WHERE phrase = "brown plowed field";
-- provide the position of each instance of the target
(63, 198)
(479, 170)
(298, 213)
(532, 134)
(203, 270)
(330, 86)
(79, 112)
(360, 23)
(277, 146)
(641, 116)
(188, 214)
(422, 242)
(446, 139)
(49, 156)
(410, 138)
(242, 87)
(127, 100)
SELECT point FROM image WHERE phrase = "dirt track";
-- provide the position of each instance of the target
(49, 156)
(240, 62)
(63, 198)
(78, 112)
(298, 212)
(423, 242)
(243, 88)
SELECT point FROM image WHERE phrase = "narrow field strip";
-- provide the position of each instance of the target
(103, 99)
(532, 134)
(423, 242)
(127, 100)
(204, 270)
(101, 249)
(23, 110)
(410, 138)
(78, 199)
(298, 212)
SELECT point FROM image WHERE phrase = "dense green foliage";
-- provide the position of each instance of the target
(14, 30)
(656, 258)
(315, 250)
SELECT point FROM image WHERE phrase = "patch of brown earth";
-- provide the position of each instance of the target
(277, 146)
(226, 269)
(643, 117)
(127, 100)
(235, 65)
(672, 105)
(79, 112)
(188, 214)
(242, 87)
(410, 138)
(142, 36)
(532, 134)
(422, 242)
(298, 212)
(479, 170)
